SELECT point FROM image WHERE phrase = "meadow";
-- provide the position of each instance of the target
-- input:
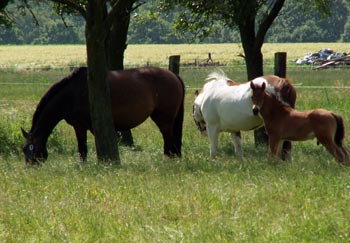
(150, 198)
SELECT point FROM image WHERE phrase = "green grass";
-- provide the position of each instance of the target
(150, 198)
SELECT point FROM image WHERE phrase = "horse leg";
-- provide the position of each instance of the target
(286, 150)
(80, 133)
(126, 138)
(346, 155)
(178, 126)
(166, 129)
(275, 146)
(169, 147)
(237, 142)
(333, 149)
(213, 135)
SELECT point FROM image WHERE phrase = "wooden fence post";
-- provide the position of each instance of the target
(174, 64)
(260, 136)
(281, 64)
(281, 71)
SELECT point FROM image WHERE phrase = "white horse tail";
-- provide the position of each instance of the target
(219, 74)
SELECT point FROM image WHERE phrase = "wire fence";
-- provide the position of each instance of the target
(66, 69)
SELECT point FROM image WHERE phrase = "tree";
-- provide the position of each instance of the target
(113, 35)
(106, 30)
(116, 45)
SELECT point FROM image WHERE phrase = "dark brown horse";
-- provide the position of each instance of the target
(136, 94)
(282, 122)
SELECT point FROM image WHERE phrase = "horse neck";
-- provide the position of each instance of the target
(47, 119)
(271, 107)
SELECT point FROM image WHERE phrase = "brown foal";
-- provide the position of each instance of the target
(282, 122)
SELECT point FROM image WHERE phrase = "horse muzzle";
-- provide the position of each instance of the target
(256, 110)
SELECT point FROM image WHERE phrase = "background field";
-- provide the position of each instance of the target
(58, 56)
(153, 199)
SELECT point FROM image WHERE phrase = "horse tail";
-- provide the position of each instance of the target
(177, 129)
(339, 133)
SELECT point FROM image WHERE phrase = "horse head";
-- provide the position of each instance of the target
(258, 93)
(197, 114)
(34, 150)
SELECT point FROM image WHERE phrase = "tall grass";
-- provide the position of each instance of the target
(150, 198)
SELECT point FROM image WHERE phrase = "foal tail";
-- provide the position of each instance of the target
(339, 133)
(177, 129)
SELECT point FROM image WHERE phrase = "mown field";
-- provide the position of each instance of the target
(150, 198)
(58, 56)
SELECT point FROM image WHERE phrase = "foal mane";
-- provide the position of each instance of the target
(284, 90)
(78, 75)
(277, 97)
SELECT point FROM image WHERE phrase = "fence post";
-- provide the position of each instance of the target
(260, 136)
(281, 64)
(281, 71)
(174, 64)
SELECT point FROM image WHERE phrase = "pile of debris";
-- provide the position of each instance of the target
(326, 58)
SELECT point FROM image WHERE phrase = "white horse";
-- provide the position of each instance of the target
(225, 105)
(214, 80)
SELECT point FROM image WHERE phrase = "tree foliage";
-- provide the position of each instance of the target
(297, 22)
(38, 24)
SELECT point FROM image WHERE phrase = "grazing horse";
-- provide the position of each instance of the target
(282, 122)
(225, 105)
(136, 94)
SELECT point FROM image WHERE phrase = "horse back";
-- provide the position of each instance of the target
(139, 93)
(229, 108)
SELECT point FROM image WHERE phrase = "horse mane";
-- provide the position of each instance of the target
(79, 74)
(283, 89)
(277, 97)
(286, 92)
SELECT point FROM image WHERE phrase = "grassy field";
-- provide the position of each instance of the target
(153, 199)
(58, 56)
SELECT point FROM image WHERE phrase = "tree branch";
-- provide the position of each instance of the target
(31, 12)
(73, 4)
(134, 8)
(267, 22)
(115, 9)
(3, 3)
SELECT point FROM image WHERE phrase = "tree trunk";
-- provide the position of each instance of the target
(115, 48)
(99, 95)
(254, 65)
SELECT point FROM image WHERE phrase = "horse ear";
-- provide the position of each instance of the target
(252, 85)
(25, 134)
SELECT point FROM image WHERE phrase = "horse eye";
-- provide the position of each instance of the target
(31, 147)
